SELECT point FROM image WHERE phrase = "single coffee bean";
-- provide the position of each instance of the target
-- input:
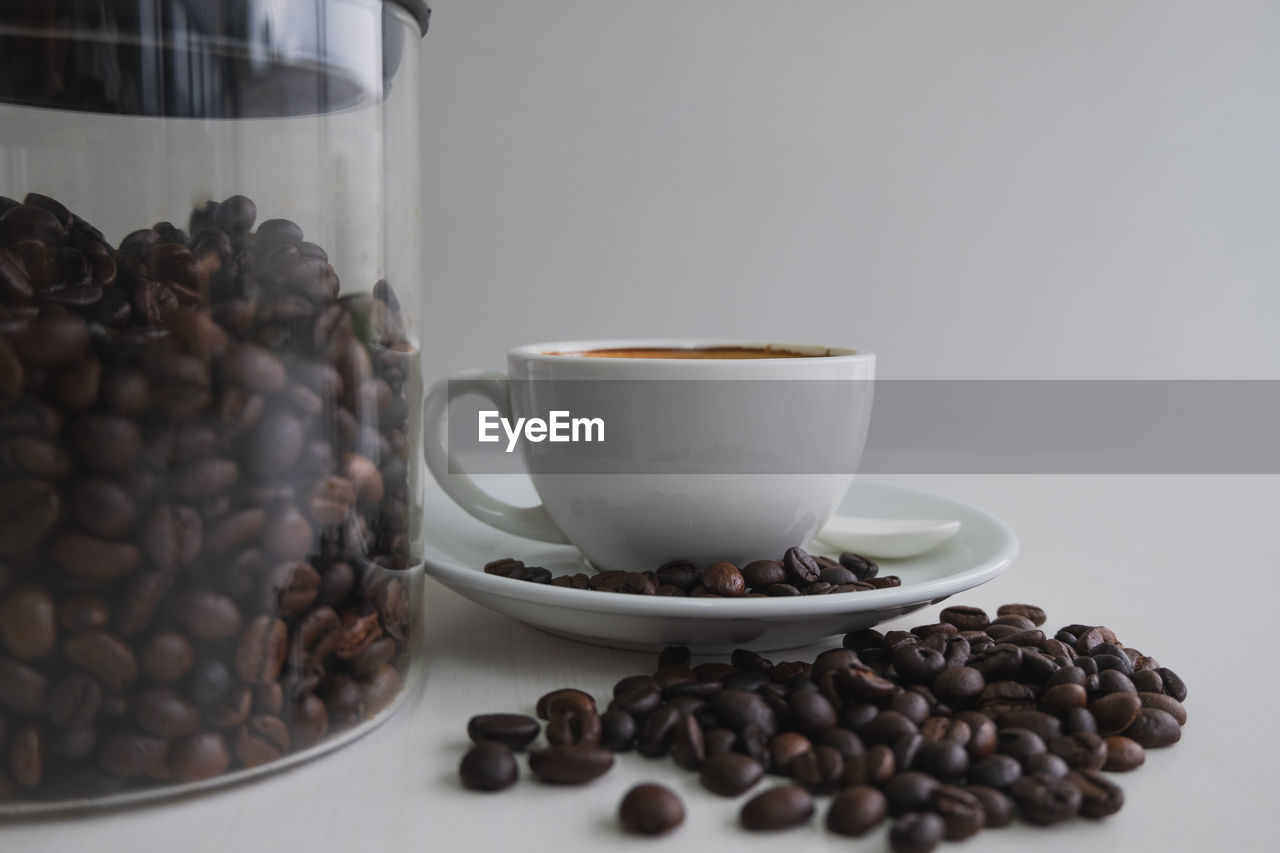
(1046, 801)
(568, 725)
(200, 756)
(965, 618)
(943, 759)
(488, 766)
(1079, 721)
(996, 771)
(104, 657)
(261, 650)
(73, 701)
(917, 832)
(730, 773)
(811, 712)
(566, 696)
(1028, 611)
(1062, 698)
(639, 698)
(997, 808)
(1047, 765)
(818, 771)
(723, 579)
(674, 656)
(28, 622)
(856, 810)
(777, 808)
(688, 748)
(1123, 754)
(1173, 685)
(961, 682)
(1115, 712)
(1100, 797)
(908, 791)
(617, 730)
(800, 567)
(161, 712)
(842, 741)
(784, 748)
(1168, 704)
(1081, 751)
(1153, 728)
(657, 731)
(650, 809)
(874, 767)
(862, 568)
(1019, 743)
(1044, 725)
(570, 764)
(961, 811)
(515, 731)
(261, 740)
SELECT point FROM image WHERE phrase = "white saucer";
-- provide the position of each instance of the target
(458, 546)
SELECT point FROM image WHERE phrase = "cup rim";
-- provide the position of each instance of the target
(556, 351)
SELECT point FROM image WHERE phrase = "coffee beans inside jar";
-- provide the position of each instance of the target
(205, 488)
(944, 730)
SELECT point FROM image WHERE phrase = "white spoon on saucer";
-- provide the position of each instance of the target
(887, 538)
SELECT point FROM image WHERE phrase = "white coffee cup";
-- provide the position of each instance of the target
(719, 468)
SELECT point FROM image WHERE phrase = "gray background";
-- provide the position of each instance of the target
(977, 190)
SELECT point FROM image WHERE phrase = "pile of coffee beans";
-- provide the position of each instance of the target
(947, 729)
(204, 499)
(797, 573)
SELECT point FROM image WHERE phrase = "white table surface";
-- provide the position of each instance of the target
(1183, 568)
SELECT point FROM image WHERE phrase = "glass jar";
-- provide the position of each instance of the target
(210, 388)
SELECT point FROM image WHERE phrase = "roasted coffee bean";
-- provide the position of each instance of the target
(1019, 743)
(29, 510)
(723, 579)
(263, 739)
(681, 574)
(982, 733)
(842, 741)
(1112, 681)
(1168, 704)
(801, 569)
(917, 832)
(1042, 724)
(887, 727)
(785, 748)
(650, 809)
(1046, 765)
(906, 748)
(811, 712)
(568, 696)
(208, 615)
(819, 770)
(96, 560)
(1026, 611)
(917, 664)
(909, 791)
(1115, 712)
(571, 725)
(617, 730)
(260, 651)
(856, 810)
(200, 756)
(488, 766)
(861, 567)
(166, 657)
(996, 771)
(965, 618)
(874, 767)
(730, 773)
(22, 689)
(687, 746)
(777, 808)
(737, 709)
(74, 701)
(570, 764)
(173, 535)
(26, 756)
(1046, 801)
(912, 705)
(1062, 698)
(516, 731)
(1123, 754)
(1173, 685)
(961, 811)
(961, 682)
(997, 808)
(161, 712)
(1153, 728)
(639, 698)
(656, 732)
(943, 759)
(1079, 721)
(104, 657)
(1100, 797)
(674, 656)
(1081, 751)
(28, 622)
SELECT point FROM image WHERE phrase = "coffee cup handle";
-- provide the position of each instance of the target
(530, 522)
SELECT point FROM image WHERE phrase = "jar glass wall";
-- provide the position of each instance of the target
(210, 387)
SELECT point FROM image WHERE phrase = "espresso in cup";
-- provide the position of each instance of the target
(692, 352)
